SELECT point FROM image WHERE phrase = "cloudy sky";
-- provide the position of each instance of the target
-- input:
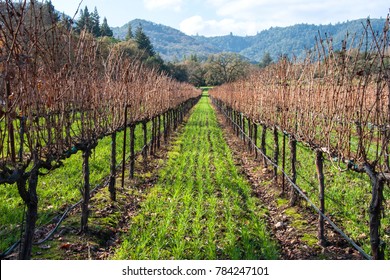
(220, 17)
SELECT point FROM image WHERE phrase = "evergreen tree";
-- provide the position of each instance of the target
(81, 21)
(143, 42)
(266, 60)
(50, 15)
(129, 34)
(84, 21)
(66, 21)
(95, 23)
(194, 58)
(105, 30)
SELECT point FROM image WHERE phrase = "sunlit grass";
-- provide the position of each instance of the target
(201, 207)
(347, 194)
(60, 188)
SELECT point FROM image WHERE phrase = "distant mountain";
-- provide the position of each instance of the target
(170, 43)
(173, 44)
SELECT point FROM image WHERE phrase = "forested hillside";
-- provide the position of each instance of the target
(170, 43)
(173, 44)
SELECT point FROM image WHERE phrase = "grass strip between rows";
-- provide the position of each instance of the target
(201, 207)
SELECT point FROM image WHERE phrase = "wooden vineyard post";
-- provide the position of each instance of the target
(145, 149)
(293, 158)
(263, 145)
(321, 182)
(243, 128)
(85, 190)
(111, 186)
(276, 153)
(238, 123)
(284, 161)
(175, 115)
(124, 149)
(234, 121)
(159, 132)
(153, 137)
(238, 116)
(155, 134)
(250, 134)
(132, 152)
(165, 119)
(375, 211)
(170, 120)
(255, 139)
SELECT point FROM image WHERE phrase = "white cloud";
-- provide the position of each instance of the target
(256, 9)
(192, 25)
(198, 25)
(247, 17)
(163, 4)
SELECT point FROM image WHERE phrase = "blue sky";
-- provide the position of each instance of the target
(220, 17)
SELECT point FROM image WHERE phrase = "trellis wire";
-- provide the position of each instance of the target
(64, 215)
(302, 194)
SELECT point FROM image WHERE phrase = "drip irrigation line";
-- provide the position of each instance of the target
(10, 250)
(357, 247)
(313, 188)
(64, 215)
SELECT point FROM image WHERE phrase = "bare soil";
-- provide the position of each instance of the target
(295, 228)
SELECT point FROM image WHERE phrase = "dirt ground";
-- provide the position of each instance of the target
(295, 228)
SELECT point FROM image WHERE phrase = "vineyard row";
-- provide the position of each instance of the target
(62, 92)
(335, 102)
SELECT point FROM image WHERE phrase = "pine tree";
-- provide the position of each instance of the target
(129, 34)
(66, 21)
(85, 20)
(50, 15)
(143, 42)
(266, 60)
(95, 23)
(105, 30)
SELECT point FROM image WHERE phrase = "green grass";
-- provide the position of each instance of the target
(60, 188)
(201, 207)
(347, 194)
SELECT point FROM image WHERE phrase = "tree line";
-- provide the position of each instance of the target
(91, 23)
(214, 70)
